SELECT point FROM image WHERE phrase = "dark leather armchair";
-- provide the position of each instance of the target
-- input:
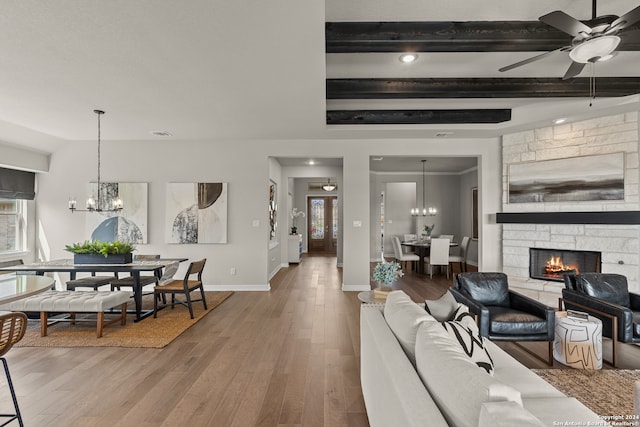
(605, 296)
(503, 314)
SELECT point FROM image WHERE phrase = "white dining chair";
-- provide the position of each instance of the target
(401, 257)
(438, 255)
(408, 238)
(461, 256)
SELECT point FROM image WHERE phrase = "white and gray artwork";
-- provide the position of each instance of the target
(196, 212)
(129, 224)
(586, 178)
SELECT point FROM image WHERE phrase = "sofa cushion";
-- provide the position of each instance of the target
(508, 321)
(443, 308)
(609, 287)
(403, 317)
(506, 414)
(465, 332)
(485, 288)
(456, 384)
(562, 411)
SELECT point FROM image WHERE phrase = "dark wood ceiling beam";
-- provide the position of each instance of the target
(474, 36)
(452, 88)
(404, 117)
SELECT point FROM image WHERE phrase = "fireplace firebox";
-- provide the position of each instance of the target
(553, 264)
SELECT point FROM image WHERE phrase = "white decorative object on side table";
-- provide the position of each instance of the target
(578, 342)
(294, 248)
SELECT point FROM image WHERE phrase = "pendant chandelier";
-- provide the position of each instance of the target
(329, 186)
(96, 204)
(430, 211)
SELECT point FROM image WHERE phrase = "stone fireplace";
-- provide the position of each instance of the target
(553, 264)
(616, 242)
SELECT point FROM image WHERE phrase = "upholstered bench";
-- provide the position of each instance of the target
(74, 302)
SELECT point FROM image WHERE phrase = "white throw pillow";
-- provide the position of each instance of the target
(456, 384)
(403, 317)
(442, 308)
(464, 330)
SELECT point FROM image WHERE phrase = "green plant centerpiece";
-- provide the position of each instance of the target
(428, 229)
(97, 252)
(386, 274)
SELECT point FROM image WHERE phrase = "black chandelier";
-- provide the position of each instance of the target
(98, 204)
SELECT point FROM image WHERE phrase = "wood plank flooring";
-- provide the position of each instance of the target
(288, 357)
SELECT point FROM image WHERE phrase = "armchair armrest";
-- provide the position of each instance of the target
(623, 314)
(634, 301)
(529, 305)
(481, 312)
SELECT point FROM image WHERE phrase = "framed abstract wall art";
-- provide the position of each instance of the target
(130, 224)
(586, 178)
(196, 213)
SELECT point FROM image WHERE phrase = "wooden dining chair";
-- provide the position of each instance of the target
(12, 328)
(191, 282)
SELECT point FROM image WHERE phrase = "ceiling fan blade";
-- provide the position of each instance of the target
(564, 22)
(574, 69)
(629, 36)
(532, 59)
(626, 20)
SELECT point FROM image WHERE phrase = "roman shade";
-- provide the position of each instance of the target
(16, 184)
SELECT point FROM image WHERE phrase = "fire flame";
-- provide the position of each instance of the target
(555, 266)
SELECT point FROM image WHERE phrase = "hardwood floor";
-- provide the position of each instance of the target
(286, 357)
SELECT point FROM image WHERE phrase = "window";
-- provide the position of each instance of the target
(12, 225)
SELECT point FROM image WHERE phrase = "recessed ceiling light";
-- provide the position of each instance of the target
(408, 57)
(560, 121)
(160, 133)
(311, 163)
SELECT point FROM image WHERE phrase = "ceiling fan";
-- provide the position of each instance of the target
(590, 44)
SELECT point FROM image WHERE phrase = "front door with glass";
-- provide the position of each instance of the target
(322, 224)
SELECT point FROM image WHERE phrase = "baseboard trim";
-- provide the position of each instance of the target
(355, 288)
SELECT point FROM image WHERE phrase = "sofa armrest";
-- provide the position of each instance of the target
(623, 314)
(392, 390)
(480, 310)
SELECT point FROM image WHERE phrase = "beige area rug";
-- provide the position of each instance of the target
(608, 392)
(148, 333)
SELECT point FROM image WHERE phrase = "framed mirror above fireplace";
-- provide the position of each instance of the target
(553, 264)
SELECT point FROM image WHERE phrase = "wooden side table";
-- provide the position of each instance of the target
(578, 342)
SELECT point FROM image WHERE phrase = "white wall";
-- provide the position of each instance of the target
(245, 166)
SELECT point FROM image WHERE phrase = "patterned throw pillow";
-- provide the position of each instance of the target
(464, 330)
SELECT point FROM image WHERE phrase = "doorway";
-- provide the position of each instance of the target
(322, 224)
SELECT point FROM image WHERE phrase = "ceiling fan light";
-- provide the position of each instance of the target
(594, 49)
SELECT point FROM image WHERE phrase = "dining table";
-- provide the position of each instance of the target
(422, 248)
(133, 268)
(15, 287)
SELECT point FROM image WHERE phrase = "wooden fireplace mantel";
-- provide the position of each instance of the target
(607, 217)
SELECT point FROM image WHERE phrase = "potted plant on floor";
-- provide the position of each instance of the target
(97, 252)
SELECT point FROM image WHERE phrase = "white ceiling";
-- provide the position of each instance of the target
(219, 70)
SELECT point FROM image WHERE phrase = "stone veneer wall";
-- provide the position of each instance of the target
(619, 244)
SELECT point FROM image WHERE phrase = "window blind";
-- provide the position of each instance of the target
(16, 184)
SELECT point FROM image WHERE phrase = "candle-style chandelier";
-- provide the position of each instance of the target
(98, 203)
(426, 211)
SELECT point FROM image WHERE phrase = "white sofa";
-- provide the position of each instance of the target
(445, 387)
